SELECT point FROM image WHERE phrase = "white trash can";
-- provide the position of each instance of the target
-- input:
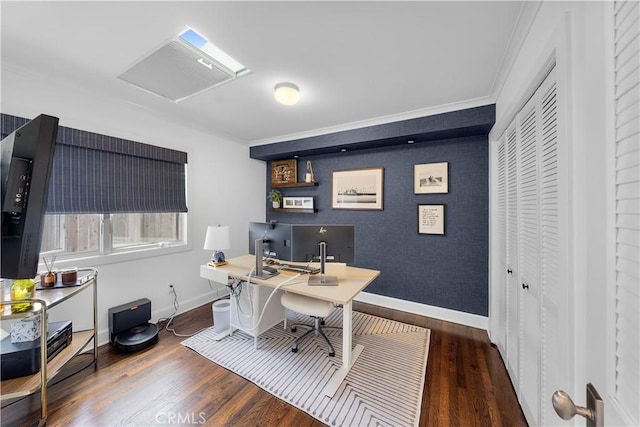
(221, 314)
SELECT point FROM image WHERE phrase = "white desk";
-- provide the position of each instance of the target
(352, 281)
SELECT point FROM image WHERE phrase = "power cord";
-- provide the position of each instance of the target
(264, 307)
(168, 320)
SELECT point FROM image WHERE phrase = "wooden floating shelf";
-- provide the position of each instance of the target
(295, 184)
(294, 210)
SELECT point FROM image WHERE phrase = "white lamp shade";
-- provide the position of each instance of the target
(217, 238)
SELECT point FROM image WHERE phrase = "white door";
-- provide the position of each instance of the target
(512, 292)
(623, 325)
(570, 333)
(610, 325)
(529, 257)
(536, 219)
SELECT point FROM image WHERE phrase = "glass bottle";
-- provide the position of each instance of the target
(20, 290)
(2, 296)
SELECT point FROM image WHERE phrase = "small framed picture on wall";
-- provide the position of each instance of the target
(431, 178)
(431, 219)
(284, 172)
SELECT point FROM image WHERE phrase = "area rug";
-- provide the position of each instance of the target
(384, 387)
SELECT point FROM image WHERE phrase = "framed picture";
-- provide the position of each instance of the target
(357, 189)
(284, 172)
(431, 178)
(298, 202)
(430, 219)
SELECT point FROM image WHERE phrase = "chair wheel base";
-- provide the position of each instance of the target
(294, 350)
(293, 329)
(332, 354)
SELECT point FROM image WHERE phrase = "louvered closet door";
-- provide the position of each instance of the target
(529, 257)
(626, 326)
(501, 247)
(555, 365)
(512, 292)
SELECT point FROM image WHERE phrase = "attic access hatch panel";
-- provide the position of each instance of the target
(182, 68)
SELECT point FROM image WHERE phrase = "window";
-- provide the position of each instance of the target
(144, 229)
(109, 195)
(80, 235)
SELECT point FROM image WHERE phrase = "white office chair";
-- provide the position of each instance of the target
(315, 308)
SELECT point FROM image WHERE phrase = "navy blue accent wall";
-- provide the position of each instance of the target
(454, 124)
(449, 271)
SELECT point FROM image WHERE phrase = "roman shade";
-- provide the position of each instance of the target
(94, 173)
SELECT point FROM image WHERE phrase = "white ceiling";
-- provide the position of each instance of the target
(355, 62)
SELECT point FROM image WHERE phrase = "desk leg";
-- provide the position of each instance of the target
(347, 334)
(349, 354)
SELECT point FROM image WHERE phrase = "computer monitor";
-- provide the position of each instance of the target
(324, 243)
(26, 156)
(303, 243)
(306, 239)
(276, 239)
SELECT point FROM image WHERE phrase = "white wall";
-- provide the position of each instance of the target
(224, 185)
(573, 33)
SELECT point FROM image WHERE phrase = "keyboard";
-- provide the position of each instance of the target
(300, 269)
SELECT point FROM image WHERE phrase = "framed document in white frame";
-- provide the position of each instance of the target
(431, 178)
(430, 219)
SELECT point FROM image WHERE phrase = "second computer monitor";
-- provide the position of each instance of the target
(301, 242)
(276, 238)
(306, 239)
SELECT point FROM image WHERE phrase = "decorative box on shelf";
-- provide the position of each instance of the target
(26, 329)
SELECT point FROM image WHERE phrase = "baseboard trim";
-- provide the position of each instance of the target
(448, 315)
(467, 319)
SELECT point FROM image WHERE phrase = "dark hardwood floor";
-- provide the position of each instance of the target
(466, 385)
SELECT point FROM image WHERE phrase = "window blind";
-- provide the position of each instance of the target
(94, 173)
(627, 209)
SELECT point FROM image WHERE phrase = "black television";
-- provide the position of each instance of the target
(26, 157)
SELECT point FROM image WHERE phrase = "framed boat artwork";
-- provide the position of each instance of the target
(360, 189)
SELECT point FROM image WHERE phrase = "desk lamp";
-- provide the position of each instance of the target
(217, 239)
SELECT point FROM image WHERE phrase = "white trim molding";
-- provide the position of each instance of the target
(448, 315)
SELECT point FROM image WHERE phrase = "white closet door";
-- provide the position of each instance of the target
(555, 363)
(499, 332)
(512, 293)
(529, 256)
(537, 331)
(627, 211)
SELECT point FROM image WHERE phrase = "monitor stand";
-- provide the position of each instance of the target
(322, 279)
(259, 272)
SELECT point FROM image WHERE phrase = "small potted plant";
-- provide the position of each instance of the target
(275, 196)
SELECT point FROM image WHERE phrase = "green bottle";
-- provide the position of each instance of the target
(22, 289)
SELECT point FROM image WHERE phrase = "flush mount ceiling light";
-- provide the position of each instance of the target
(286, 93)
